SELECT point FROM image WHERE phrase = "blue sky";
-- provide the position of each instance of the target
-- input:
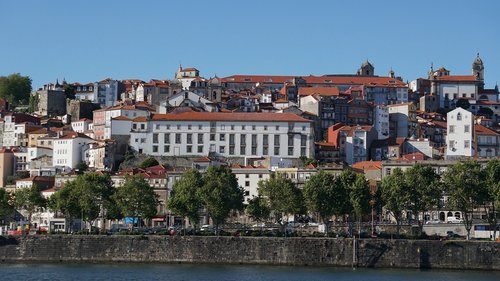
(87, 41)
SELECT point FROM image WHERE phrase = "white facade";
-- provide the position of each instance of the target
(460, 132)
(68, 150)
(248, 179)
(187, 98)
(120, 126)
(113, 113)
(381, 121)
(399, 115)
(81, 126)
(106, 92)
(450, 91)
(357, 144)
(226, 134)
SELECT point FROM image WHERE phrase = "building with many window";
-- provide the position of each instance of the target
(222, 134)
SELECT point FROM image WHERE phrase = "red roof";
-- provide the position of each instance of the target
(414, 156)
(326, 79)
(457, 78)
(482, 130)
(140, 119)
(368, 165)
(235, 116)
(121, 117)
(322, 91)
(202, 159)
(72, 135)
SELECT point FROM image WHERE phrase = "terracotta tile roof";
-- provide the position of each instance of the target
(488, 102)
(482, 130)
(414, 156)
(326, 79)
(40, 131)
(140, 119)
(457, 78)
(310, 166)
(368, 165)
(72, 135)
(235, 116)
(322, 91)
(121, 117)
(281, 101)
(189, 69)
(202, 159)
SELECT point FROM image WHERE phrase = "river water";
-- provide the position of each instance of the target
(180, 272)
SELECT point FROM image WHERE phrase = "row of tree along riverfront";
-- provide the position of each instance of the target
(467, 185)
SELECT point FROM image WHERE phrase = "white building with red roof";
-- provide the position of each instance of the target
(224, 134)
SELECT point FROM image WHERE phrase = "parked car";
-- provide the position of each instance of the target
(454, 220)
(434, 221)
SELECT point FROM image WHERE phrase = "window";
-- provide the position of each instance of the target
(143, 126)
(260, 176)
(168, 127)
(189, 127)
(276, 150)
(466, 128)
(166, 138)
(243, 127)
(265, 127)
(155, 138)
(243, 139)
(134, 126)
(302, 151)
(222, 137)
(143, 140)
(253, 127)
(212, 137)
(155, 148)
(254, 150)
(459, 116)
(222, 149)
(467, 144)
(303, 128)
(277, 128)
(290, 151)
(200, 127)
(243, 150)
(177, 138)
(452, 129)
(200, 148)
(189, 138)
(265, 150)
(247, 183)
(200, 138)
(303, 140)
(231, 150)
(189, 148)
(166, 148)
(178, 127)
(451, 144)
(276, 140)
(290, 140)
(247, 176)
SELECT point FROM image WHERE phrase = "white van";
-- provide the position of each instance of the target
(454, 220)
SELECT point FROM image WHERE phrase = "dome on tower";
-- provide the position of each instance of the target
(478, 60)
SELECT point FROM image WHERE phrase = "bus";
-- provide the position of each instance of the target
(484, 231)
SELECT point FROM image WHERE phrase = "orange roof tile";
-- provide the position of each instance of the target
(235, 116)
(140, 119)
(456, 78)
(322, 91)
(482, 130)
(121, 117)
(368, 165)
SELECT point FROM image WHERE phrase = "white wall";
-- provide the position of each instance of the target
(458, 141)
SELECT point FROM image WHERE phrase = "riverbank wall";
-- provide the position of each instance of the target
(451, 254)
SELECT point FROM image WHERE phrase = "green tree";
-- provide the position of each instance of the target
(359, 198)
(492, 183)
(394, 195)
(149, 162)
(136, 198)
(65, 200)
(464, 185)
(15, 88)
(185, 199)
(81, 167)
(33, 101)
(220, 194)
(424, 191)
(463, 103)
(69, 90)
(322, 196)
(6, 207)
(88, 197)
(486, 111)
(29, 199)
(258, 209)
(283, 196)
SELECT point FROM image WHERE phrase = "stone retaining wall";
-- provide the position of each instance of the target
(253, 250)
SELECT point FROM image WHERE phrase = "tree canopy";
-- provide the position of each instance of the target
(15, 88)
(149, 162)
(6, 207)
(463, 183)
(29, 199)
(258, 209)
(394, 195)
(136, 198)
(283, 196)
(220, 193)
(184, 199)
